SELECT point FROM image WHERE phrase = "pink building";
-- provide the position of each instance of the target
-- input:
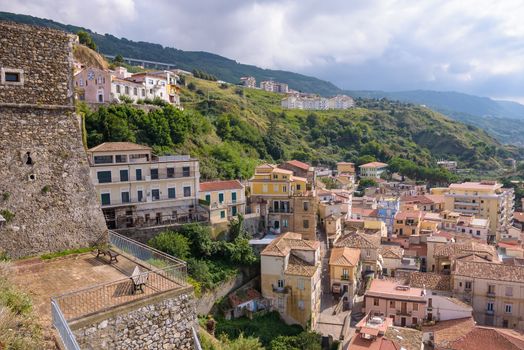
(405, 305)
(93, 85)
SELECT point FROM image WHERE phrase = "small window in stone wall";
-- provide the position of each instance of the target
(27, 159)
(11, 76)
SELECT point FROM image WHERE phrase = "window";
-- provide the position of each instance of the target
(186, 171)
(468, 285)
(264, 188)
(234, 211)
(103, 159)
(509, 291)
(489, 306)
(150, 81)
(124, 175)
(233, 197)
(155, 194)
(507, 308)
(154, 174)
(170, 172)
(491, 289)
(280, 283)
(284, 189)
(368, 254)
(221, 198)
(301, 304)
(478, 233)
(298, 187)
(138, 174)
(392, 304)
(140, 195)
(103, 176)
(143, 92)
(125, 197)
(300, 284)
(208, 198)
(105, 198)
(135, 91)
(126, 90)
(306, 206)
(376, 301)
(120, 158)
(118, 89)
(12, 76)
(415, 307)
(415, 320)
(171, 192)
(305, 223)
(275, 188)
(275, 176)
(285, 223)
(222, 214)
(187, 191)
(345, 273)
(280, 302)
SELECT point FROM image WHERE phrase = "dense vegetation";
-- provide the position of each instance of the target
(210, 262)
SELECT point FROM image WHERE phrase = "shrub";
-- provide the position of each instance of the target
(191, 86)
(125, 99)
(8, 215)
(46, 189)
(172, 243)
(6, 196)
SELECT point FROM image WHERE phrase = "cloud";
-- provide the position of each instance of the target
(475, 46)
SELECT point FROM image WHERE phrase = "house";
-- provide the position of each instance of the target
(244, 302)
(344, 271)
(378, 333)
(478, 228)
(446, 254)
(128, 88)
(290, 278)
(372, 170)
(285, 202)
(345, 168)
(93, 85)
(368, 244)
(172, 88)
(450, 165)
(494, 290)
(404, 305)
(426, 203)
(223, 200)
(300, 169)
(273, 86)
(408, 221)
(138, 188)
(464, 334)
(249, 82)
(155, 84)
(392, 259)
(333, 227)
(387, 208)
(485, 200)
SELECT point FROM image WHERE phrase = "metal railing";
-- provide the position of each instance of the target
(196, 340)
(66, 335)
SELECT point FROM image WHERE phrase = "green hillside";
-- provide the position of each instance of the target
(231, 129)
(222, 67)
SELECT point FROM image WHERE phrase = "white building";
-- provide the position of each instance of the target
(155, 85)
(372, 170)
(476, 227)
(309, 102)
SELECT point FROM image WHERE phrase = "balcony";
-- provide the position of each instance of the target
(467, 203)
(281, 210)
(490, 294)
(344, 277)
(403, 313)
(490, 312)
(283, 290)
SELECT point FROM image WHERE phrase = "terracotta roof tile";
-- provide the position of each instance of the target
(297, 266)
(344, 256)
(489, 270)
(432, 281)
(242, 296)
(282, 245)
(359, 240)
(220, 185)
(298, 164)
(373, 165)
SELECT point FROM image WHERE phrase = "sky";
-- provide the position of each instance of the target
(472, 46)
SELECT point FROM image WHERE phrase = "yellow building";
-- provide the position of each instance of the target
(333, 227)
(486, 200)
(290, 278)
(344, 271)
(286, 203)
(138, 188)
(224, 200)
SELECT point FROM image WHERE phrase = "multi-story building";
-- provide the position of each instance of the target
(486, 200)
(446, 254)
(405, 305)
(341, 102)
(290, 278)
(344, 271)
(249, 82)
(408, 221)
(172, 88)
(450, 165)
(387, 209)
(309, 102)
(138, 188)
(286, 202)
(478, 228)
(372, 170)
(93, 85)
(427, 202)
(156, 85)
(300, 169)
(273, 86)
(124, 87)
(223, 200)
(368, 244)
(494, 290)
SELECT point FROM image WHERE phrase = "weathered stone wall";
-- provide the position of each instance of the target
(165, 324)
(45, 56)
(50, 204)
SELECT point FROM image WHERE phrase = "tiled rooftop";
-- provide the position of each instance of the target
(359, 240)
(490, 271)
(220, 185)
(344, 256)
(431, 281)
(297, 266)
(282, 245)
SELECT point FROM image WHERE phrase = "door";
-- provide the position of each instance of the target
(404, 308)
(276, 225)
(208, 198)
(403, 322)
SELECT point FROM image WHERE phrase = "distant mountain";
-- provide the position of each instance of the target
(222, 67)
(502, 119)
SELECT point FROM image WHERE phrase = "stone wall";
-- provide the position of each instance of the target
(164, 323)
(45, 189)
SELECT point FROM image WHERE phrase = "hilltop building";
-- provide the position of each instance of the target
(372, 170)
(273, 86)
(138, 188)
(249, 82)
(298, 101)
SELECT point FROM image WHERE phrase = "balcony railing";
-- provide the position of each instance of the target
(283, 290)
(490, 312)
(344, 278)
(403, 312)
(490, 294)
(281, 210)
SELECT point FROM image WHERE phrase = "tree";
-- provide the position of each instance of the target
(241, 343)
(365, 159)
(85, 39)
(172, 243)
(118, 59)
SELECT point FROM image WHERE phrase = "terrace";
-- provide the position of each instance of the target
(89, 285)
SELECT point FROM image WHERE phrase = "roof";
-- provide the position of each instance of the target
(391, 251)
(220, 185)
(492, 185)
(387, 288)
(359, 240)
(454, 250)
(463, 334)
(298, 164)
(408, 214)
(430, 281)
(404, 338)
(300, 267)
(242, 296)
(373, 165)
(118, 146)
(489, 270)
(362, 211)
(282, 245)
(344, 256)
(423, 199)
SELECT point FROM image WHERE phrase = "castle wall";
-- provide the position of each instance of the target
(46, 195)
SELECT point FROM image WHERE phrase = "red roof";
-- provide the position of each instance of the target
(241, 297)
(220, 185)
(298, 164)
(519, 216)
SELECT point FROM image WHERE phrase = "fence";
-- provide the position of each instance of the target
(68, 339)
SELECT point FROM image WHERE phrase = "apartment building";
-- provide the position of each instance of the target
(223, 200)
(426, 202)
(286, 204)
(345, 271)
(123, 88)
(494, 290)
(249, 82)
(156, 85)
(368, 244)
(309, 102)
(172, 88)
(485, 200)
(138, 188)
(405, 305)
(290, 278)
(273, 86)
(300, 169)
(372, 170)
(408, 221)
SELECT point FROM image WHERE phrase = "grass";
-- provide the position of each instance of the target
(66, 252)
(265, 327)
